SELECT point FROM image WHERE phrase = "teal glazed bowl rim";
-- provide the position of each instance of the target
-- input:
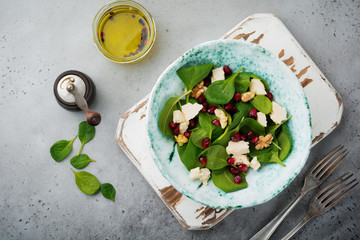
(270, 179)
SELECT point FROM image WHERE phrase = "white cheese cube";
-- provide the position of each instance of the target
(202, 174)
(257, 86)
(183, 127)
(241, 159)
(255, 164)
(191, 110)
(278, 113)
(237, 148)
(222, 117)
(217, 74)
(178, 117)
(261, 118)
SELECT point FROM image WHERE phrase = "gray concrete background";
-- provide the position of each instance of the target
(40, 39)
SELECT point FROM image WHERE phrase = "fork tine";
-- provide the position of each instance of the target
(330, 166)
(322, 163)
(332, 187)
(322, 191)
(331, 153)
(335, 195)
(330, 205)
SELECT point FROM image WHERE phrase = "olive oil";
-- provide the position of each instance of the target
(124, 32)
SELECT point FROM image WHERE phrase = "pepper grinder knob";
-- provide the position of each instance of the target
(73, 90)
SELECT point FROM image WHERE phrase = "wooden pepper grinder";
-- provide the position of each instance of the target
(74, 90)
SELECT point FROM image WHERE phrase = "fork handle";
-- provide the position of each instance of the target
(296, 228)
(266, 232)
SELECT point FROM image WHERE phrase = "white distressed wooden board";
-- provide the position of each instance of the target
(267, 30)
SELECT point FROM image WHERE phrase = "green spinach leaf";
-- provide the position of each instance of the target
(270, 157)
(205, 122)
(166, 115)
(221, 92)
(86, 132)
(108, 191)
(224, 180)
(61, 149)
(224, 139)
(216, 157)
(254, 152)
(262, 103)
(189, 154)
(242, 82)
(194, 74)
(251, 124)
(199, 135)
(284, 140)
(243, 112)
(87, 182)
(81, 161)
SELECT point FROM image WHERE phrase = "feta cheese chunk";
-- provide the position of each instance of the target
(237, 148)
(241, 159)
(222, 117)
(257, 86)
(202, 174)
(278, 113)
(255, 164)
(191, 110)
(178, 117)
(217, 74)
(183, 127)
(261, 118)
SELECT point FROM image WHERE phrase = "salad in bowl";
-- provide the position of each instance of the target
(229, 124)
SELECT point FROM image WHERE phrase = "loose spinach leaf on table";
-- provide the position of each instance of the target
(61, 149)
(81, 161)
(166, 115)
(251, 124)
(216, 157)
(86, 133)
(221, 92)
(194, 74)
(224, 180)
(284, 140)
(87, 182)
(189, 154)
(108, 191)
(262, 104)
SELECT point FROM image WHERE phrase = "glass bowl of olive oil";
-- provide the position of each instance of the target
(124, 31)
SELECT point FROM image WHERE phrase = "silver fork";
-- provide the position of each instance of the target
(313, 179)
(326, 199)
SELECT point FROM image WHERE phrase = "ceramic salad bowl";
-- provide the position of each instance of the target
(270, 179)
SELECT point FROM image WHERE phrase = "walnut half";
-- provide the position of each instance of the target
(198, 90)
(181, 139)
(264, 142)
(245, 97)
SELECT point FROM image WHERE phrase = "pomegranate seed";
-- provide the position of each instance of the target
(205, 107)
(231, 161)
(207, 82)
(253, 113)
(206, 143)
(237, 97)
(238, 179)
(243, 137)
(233, 108)
(176, 130)
(229, 107)
(192, 123)
(254, 140)
(215, 122)
(235, 137)
(242, 168)
(172, 125)
(201, 99)
(187, 134)
(211, 109)
(102, 34)
(270, 96)
(202, 160)
(227, 70)
(234, 171)
(251, 135)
